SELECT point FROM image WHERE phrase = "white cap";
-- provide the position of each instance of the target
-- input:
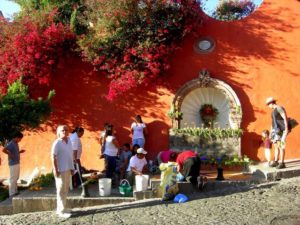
(141, 151)
(270, 100)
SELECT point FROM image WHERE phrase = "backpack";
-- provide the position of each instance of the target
(291, 124)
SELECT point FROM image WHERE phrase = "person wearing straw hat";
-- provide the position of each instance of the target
(279, 131)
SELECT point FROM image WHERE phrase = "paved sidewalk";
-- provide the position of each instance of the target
(274, 203)
(34, 201)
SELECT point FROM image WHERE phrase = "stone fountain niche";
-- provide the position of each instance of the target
(189, 99)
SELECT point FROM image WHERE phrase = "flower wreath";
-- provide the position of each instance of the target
(208, 113)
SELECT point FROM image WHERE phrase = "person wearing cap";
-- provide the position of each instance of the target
(279, 131)
(137, 165)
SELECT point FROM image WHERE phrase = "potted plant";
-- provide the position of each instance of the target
(176, 115)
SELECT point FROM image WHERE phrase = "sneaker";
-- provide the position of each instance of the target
(67, 210)
(281, 166)
(274, 164)
(64, 215)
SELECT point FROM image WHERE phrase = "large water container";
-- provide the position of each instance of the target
(105, 186)
(141, 182)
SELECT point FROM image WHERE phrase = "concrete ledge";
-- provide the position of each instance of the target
(271, 174)
(140, 195)
(21, 205)
(6, 207)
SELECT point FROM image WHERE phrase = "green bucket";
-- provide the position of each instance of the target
(125, 189)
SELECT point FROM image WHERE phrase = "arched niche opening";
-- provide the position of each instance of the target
(189, 129)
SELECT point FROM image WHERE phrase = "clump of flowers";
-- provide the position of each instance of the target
(127, 40)
(221, 160)
(234, 9)
(31, 50)
(131, 40)
(208, 114)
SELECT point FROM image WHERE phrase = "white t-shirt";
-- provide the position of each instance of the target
(138, 130)
(76, 144)
(137, 163)
(110, 148)
(64, 154)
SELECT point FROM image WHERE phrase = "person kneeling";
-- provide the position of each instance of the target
(137, 165)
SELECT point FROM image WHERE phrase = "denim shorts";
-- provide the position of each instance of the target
(139, 141)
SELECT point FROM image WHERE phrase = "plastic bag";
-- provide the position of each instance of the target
(168, 180)
(180, 198)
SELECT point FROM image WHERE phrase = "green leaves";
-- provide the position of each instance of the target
(206, 133)
(18, 111)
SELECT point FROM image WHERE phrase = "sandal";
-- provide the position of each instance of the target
(204, 182)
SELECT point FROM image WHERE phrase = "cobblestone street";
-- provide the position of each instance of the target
(276, 203)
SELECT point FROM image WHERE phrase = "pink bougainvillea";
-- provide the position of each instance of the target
(30, 50)
(133, 49)
(130, 41)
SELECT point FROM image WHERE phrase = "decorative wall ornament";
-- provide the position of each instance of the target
(204, 45)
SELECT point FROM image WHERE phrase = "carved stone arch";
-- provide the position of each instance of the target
(205, 81)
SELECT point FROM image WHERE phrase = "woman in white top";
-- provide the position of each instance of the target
(110, 152)
(138, 130)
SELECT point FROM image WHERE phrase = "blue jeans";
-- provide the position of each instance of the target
(139, 141)
(111, 165)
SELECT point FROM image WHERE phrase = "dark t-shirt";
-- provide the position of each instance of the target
(13, 148)
(277, 119)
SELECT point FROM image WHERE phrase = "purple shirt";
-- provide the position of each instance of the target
(165, 156)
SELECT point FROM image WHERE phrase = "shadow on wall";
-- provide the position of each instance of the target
(159, 133)
(80, 100)
(243, 49)
(81, 92)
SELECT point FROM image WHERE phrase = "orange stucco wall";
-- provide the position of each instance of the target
(258, 57)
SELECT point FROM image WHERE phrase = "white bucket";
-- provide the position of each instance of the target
(105, 186)
(141, 182)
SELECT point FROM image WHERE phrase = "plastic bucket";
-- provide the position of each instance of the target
(141, 182)
(105, 186)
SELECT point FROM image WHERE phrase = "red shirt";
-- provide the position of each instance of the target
(184, 156)
(267, 143)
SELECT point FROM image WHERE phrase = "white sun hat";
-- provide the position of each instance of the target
(270, 100)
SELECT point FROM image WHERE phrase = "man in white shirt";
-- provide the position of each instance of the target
(137, 165)
(77, 151)
(63, 167)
